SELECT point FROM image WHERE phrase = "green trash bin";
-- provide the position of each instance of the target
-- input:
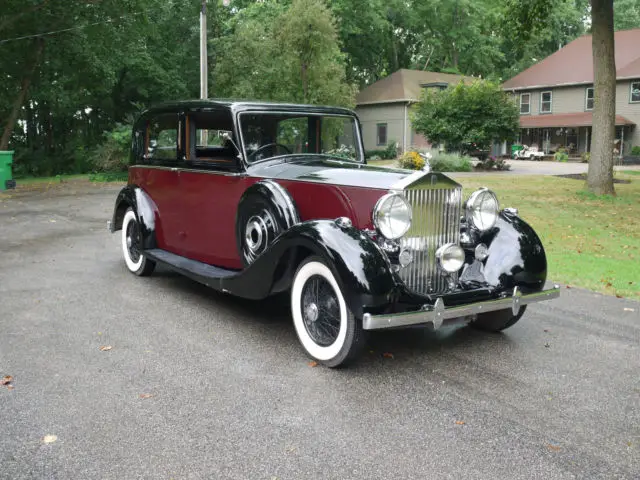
(515, 149)
(6, 176)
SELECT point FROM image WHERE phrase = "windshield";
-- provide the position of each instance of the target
(269, 134)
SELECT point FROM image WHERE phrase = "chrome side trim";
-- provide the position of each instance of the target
(437, 313)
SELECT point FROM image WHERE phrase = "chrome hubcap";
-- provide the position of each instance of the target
(311, 312)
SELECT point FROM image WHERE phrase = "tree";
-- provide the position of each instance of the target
(600, 175)
(466, 115)
(284, 54)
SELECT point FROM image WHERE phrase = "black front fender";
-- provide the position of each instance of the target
(516, 255)
(360, 267)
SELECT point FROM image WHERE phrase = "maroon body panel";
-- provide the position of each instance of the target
(197, 209)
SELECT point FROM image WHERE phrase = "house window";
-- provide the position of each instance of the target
(634, 95)
(590, 97)
(545, 102)
(525, 103)
(381, 137)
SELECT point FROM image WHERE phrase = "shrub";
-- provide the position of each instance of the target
(586, 157)
(561, 155)
(635, 151)
(112, 155)
(391, 151)
(493, 163)
(450, 162)
(412, 161)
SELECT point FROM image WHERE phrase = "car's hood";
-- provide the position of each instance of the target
(324, 170)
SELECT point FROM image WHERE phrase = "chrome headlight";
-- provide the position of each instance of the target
(392, 216)
(482, 209)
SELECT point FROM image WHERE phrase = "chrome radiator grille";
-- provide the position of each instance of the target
(436, 221)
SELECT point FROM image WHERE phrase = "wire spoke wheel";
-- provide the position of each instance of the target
(320, 310)
(327, 329)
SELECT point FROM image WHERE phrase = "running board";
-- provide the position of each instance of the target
(200, 272)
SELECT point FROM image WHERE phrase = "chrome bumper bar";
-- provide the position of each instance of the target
(437, 313)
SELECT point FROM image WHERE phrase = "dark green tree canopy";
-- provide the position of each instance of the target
(467, 116)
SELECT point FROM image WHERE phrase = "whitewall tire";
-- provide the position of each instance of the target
(327, 330)
(132, 250)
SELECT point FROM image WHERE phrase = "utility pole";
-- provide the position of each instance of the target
(204, 74)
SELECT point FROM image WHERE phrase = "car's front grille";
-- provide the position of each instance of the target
(436, 221)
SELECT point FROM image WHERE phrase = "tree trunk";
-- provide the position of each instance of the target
(22, 95)
(600, 176)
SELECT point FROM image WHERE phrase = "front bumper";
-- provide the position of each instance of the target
(438, 313)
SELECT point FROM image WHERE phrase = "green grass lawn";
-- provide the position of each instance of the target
(590, 242)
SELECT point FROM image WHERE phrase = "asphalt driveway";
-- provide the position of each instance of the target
(201, 385)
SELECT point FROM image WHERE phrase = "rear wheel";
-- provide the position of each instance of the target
(132, 250)
(327, 330)
(497, 321)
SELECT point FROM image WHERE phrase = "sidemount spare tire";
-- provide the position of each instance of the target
(265, 211)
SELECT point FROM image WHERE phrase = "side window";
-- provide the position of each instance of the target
(545, 102)
(589, 104)
(293, 133)
(525, 103)
(634, 95)
(381, 134)
(162, 140)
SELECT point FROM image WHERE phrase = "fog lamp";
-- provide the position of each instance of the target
(450, 257)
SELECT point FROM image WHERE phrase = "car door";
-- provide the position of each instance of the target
(159, 177)
(211, 185)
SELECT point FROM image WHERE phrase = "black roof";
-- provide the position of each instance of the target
(242, 105)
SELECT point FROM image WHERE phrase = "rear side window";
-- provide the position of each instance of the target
(162, 138)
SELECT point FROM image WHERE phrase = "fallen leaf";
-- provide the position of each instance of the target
(49, 438)
(105, 348)
(146, 395)
(629, 309)
(546, 345)
(459, 422)
(546, 330)
(10, 387)
(608, 285)
(388, 355)
(554, 448)
(619, 296)
(313, 363)
(6, 380)
(568, 286)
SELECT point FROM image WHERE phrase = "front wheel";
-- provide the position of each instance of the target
(497, 321)
(132, 250)
(327, 330)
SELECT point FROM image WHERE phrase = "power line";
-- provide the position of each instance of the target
(79, 27)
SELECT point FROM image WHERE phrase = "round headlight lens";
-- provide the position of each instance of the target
(482, 209)
(392, 216)
(450, 257)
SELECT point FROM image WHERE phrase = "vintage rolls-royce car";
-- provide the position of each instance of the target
(255, 199)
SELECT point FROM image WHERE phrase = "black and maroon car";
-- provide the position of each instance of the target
(254, 199)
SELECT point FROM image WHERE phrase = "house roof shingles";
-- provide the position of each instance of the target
(404, 86)
(573, 64)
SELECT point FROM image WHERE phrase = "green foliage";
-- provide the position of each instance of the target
(586, 157)
(412, 161)
(465, 115)
(388, 153)
(284, 54)
(635, 150)
(450, 162)
(561, 155)
(112, 155)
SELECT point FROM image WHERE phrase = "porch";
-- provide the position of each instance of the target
(572, 132)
